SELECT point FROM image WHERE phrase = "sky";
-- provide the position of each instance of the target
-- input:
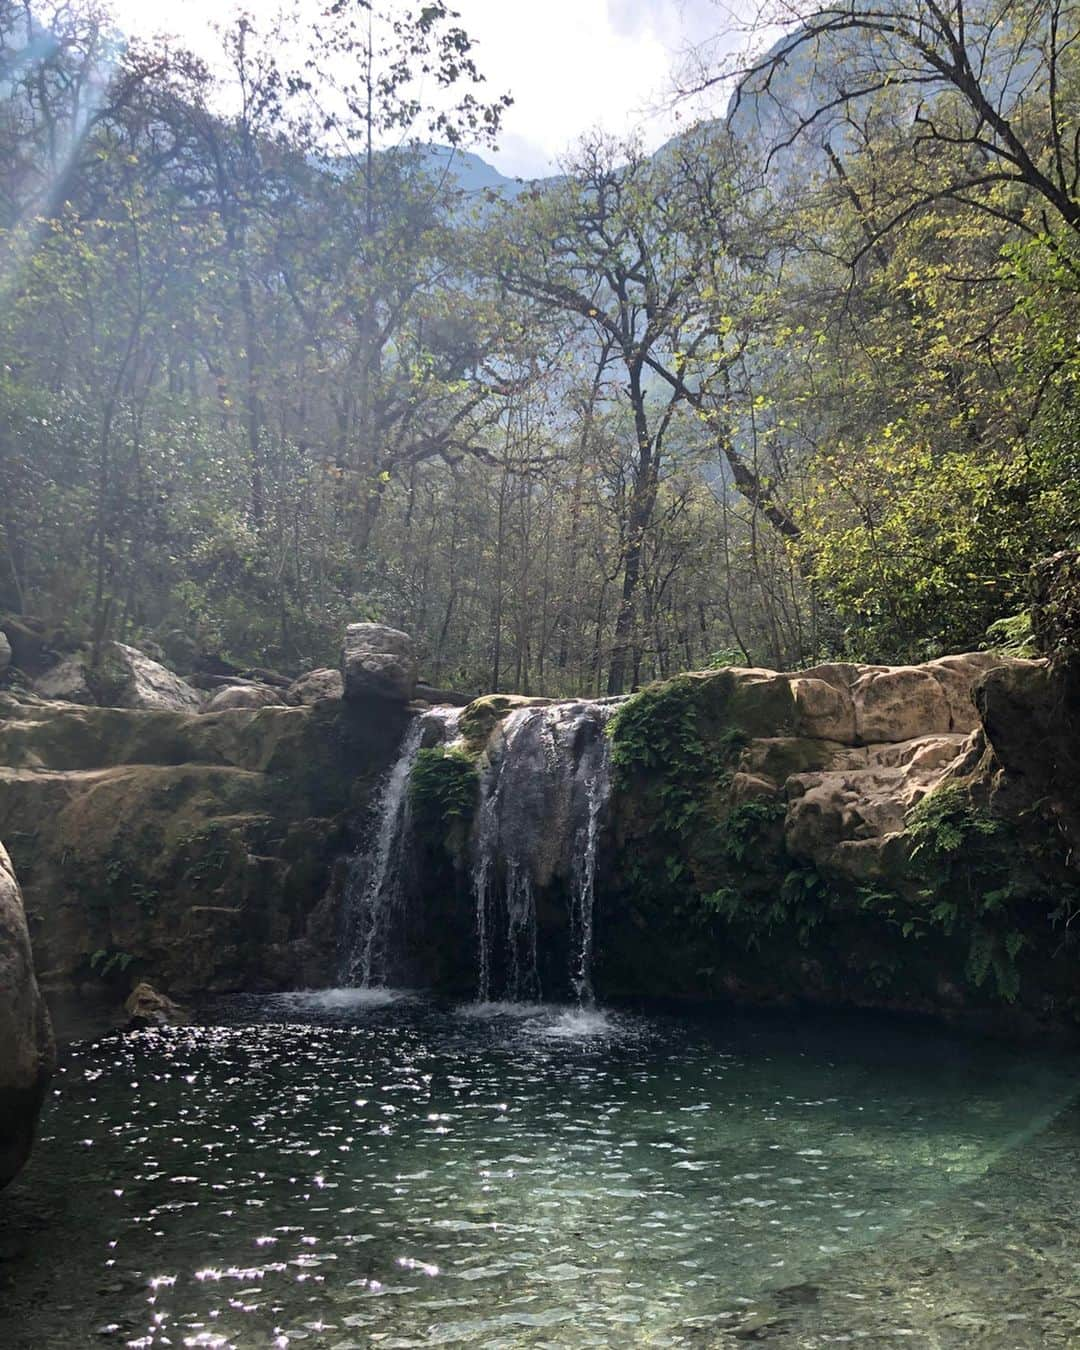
(572, 66)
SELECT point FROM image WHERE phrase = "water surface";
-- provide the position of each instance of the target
(363, 1168)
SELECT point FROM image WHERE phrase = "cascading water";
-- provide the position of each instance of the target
(543, 798)
(594, 772)
(377, 882)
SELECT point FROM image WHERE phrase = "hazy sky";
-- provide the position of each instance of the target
(571, 65)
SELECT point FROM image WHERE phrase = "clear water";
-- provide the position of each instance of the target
(362, 1168)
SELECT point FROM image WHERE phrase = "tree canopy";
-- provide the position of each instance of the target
(800, 385)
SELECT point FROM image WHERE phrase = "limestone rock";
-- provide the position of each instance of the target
(825, 711)
(958, 676)
(26, 1042)
(126, 678)
(484, 714)
(864, 797)
(199, 846)
(316, 685)
(244, 696)
(145, 683)
(29, 641)
(899, 704)
(146, 1007)
(378, 662)
(66, 682)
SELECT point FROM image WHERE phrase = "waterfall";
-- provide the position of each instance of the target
(594, 772)
(377, 881)
(542, 802)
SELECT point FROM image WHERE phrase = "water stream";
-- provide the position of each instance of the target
(376, 888)
(359, 1168)
(542, 803)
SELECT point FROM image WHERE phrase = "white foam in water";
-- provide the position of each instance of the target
(552, 1021)
(579, 1024)
(332, 1000)
(485, 1011)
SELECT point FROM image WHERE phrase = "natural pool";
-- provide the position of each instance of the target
(366, 1169)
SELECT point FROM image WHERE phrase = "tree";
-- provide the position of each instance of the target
(641, 253)
(989, 86)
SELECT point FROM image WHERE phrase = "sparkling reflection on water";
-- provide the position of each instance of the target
(363, 1168)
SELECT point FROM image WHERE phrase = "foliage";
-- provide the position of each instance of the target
(1056, 613)
(443, 786)
(794, 909)
(268, 362)
(1013, 635)
(963, 860)
(110, 961)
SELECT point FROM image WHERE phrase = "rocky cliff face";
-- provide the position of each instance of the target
(197, 849)
(26, 1044)
(886, 836)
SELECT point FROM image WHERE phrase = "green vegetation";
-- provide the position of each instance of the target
(261, 374)
(965, 895)
(665, 747)
(443, 787)
(106, 962)
(966, 864)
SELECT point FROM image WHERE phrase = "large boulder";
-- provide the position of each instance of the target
(244, 696)
(200, 853)
(124, 678)
(899, 704)
(26, 1041)
(144, 683)
(33, 644)
(378, 662)
(826, 710)
(314, 686)
(66, 682)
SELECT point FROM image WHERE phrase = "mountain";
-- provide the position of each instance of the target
(473, 174)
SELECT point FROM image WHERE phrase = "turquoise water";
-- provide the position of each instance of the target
(359, 1168)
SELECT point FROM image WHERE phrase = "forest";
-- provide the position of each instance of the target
(799, 386)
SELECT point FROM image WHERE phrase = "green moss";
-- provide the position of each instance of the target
(480, 718)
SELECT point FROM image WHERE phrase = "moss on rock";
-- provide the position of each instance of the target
(480, 718)
(197, 850)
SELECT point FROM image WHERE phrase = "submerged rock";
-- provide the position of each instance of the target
(5, 654)
(146, 1007)
(26, 1041)
(378, 662)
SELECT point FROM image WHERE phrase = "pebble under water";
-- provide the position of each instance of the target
(360, 1168)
